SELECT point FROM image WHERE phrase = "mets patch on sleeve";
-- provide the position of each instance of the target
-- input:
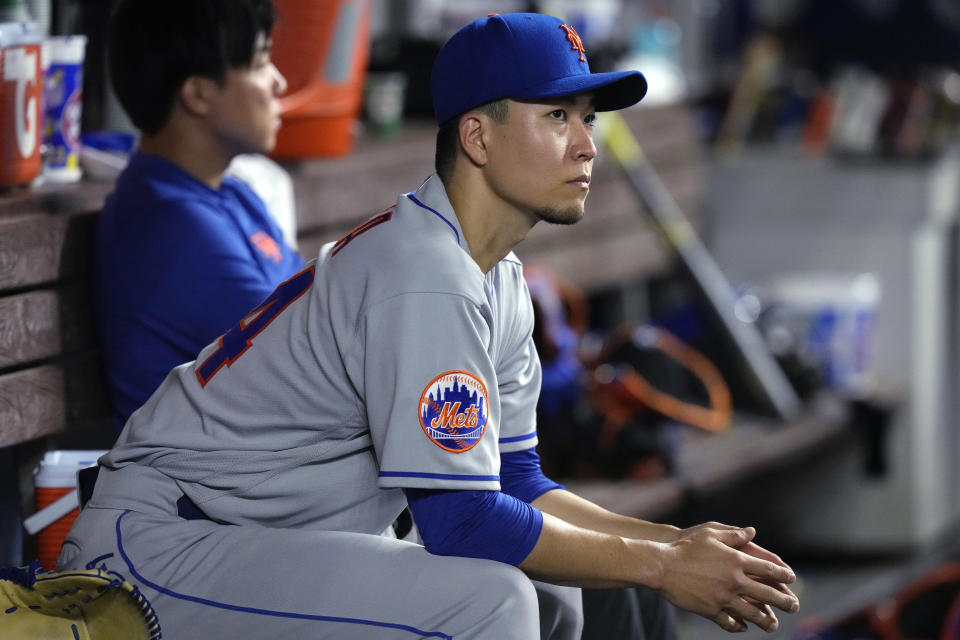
(454, 410)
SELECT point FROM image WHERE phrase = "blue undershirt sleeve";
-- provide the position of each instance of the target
(522, 477)
(475, 524)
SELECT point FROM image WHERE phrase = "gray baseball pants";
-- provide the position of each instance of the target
(208, 580)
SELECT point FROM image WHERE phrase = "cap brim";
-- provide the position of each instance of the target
(611, 91)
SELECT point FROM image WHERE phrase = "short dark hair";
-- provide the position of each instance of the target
(448, 137)
(155, 45)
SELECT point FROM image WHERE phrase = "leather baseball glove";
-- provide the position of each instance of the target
(72, 605)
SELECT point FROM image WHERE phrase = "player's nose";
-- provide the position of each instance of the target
(279, 82)
(582, 146)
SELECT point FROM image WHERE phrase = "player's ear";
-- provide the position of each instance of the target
(473, 131)
(196, 95)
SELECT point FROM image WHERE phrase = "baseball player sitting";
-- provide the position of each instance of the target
(183, 251)
(248, 496)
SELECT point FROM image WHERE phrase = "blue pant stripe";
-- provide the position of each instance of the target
(264, 612)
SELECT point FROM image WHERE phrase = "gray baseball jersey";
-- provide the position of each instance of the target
(390, 361)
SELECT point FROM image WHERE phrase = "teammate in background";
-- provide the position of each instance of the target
(183, 251)
(247, 497)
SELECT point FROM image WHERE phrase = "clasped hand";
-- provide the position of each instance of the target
(717, 571)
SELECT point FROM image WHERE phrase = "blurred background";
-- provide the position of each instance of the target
(756, 322)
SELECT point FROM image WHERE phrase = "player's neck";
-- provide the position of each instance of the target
(491, 227)
(190, 150)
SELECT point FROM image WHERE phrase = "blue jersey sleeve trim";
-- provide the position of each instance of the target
(526, 436)
(475, 524)
(435, 212)
(437, 476)
(522, 477)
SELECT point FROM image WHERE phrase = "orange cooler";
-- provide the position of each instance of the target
(55, 477)
(21, 93)
(321, 48)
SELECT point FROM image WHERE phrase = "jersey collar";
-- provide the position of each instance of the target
(161, 171)
(432, 197)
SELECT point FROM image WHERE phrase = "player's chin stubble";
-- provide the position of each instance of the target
(560, 216)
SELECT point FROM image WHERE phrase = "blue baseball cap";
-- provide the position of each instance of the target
(523, 56)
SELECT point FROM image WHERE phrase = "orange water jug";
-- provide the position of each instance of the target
(21, 93)
(54, 478)
(321, 48)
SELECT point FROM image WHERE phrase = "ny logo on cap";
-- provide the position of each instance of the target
(575, 42)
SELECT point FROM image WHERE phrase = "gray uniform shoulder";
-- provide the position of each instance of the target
(412, 247)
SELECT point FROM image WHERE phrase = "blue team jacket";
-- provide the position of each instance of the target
(176, 264)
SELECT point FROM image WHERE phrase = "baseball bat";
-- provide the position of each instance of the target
(765, 377)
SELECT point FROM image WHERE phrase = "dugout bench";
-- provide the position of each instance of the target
(52, 391)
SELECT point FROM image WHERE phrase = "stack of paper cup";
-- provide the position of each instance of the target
(63, 100)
